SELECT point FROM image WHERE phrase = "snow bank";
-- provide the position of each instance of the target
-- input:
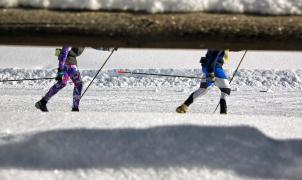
(144, 146)
(259, 79)
(273, 7)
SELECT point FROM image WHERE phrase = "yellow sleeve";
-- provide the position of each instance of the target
(226, 57)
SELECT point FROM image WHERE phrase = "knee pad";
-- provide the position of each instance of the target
(203, 85)
(226, 90)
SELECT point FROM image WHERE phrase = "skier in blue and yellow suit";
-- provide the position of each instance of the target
(214, 73)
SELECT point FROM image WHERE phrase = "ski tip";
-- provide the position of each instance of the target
(120, 71)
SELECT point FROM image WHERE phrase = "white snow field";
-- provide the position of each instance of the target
(128, 129)
(271, 7)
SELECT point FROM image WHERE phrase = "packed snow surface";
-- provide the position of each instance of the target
(127, 127)
(273, 7)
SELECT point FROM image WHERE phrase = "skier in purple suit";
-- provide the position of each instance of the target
(67, 69)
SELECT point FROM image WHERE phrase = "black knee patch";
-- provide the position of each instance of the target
(226, 90)
(203, 85)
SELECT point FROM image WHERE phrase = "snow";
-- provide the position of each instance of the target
(43, 58)
(245, 79)
(272, 7)
(146, 145)
(128, 129)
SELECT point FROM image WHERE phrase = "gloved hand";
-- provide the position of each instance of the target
(211, 77)
(112, 49)
(60, 75)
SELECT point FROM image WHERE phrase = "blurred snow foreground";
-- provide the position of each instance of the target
(271, 7)
(148, 146)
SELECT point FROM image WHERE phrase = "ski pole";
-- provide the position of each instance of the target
(97, 73)
(238, 66)
(153, 74)
(28, 79)
(235, 72)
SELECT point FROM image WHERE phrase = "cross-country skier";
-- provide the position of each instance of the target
(68, 68)
(214, 73)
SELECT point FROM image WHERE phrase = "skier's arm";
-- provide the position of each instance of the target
(104, 49)
(63, 57)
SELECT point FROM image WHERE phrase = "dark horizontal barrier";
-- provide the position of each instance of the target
(141, 30)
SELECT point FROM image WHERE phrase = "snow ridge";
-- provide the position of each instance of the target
(259, 79)
(271, 7)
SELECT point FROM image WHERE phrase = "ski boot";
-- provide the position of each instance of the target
(74, 109)
(223, 107)
(41, 105)
(182, 109)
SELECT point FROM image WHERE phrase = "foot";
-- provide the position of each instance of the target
(41, 105)
(182, 109)
(75, 109)
(223, 107)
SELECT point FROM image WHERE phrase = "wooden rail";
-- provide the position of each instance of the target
(140, 30)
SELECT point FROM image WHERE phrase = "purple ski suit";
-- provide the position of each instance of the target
(70, 71)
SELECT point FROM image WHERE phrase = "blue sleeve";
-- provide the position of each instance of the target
(63, 57)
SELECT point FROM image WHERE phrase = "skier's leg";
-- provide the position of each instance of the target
(78, 86)
(223, 84)
(52, 91)
(56, 88)
(204, 88)
(199, 92)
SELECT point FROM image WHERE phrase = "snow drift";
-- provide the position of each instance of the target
(257, 79)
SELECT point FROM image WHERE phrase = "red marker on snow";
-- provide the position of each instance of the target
(120, 71)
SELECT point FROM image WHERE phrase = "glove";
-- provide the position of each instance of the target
(211, 77)
(60, 75)
(112, 49)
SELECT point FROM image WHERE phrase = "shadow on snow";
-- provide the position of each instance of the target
(241, 149)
